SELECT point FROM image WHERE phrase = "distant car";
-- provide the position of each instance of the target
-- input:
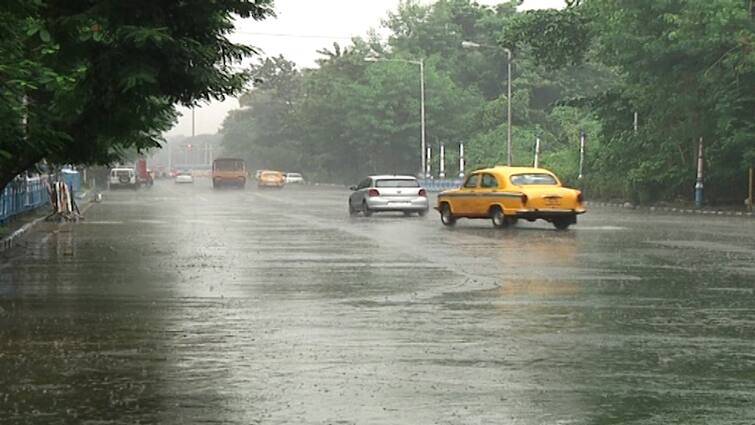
(506, 194)
(184, 176)
(271, 179)
(123, 177)
(295, 178)
(388, 193)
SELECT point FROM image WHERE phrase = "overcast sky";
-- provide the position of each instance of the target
(323, 22)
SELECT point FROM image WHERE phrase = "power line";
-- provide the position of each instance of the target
(272, 34)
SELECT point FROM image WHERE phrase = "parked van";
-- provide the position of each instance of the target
(123, 178)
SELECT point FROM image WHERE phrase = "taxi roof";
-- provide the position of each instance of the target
(508, 171)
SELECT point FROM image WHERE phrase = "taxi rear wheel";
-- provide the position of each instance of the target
(498, 218)
(561, 223)
(446, 217)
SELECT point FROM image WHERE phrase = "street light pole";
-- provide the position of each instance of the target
(422, 109)
(423, 167)
(473, 45)
(508, 97)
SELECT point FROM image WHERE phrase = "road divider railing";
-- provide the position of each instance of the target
(439, 185)
(670, 209)
(22, 195)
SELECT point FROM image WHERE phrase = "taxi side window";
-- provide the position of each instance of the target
(364, 184)
(489, 181)
(472, 181)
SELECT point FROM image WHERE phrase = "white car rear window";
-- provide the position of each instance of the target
(396, 183)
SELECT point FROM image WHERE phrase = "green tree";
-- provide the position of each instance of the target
(93, 79)
(348, 118)
(262, 131)
(687, 69)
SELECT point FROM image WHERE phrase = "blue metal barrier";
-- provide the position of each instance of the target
(439, 185)
(72, 179)
(23, 195)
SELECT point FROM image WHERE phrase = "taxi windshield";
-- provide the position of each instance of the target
(533, 179)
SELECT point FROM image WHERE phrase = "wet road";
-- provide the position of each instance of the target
(183, 305)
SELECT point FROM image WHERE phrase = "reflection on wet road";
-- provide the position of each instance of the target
(183, 305)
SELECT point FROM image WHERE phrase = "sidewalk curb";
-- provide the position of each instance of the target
(10, 241)
(676, 210)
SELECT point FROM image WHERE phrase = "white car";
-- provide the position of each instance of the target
(294, 178)
(184, 177)
(122, 177)
(388, 193)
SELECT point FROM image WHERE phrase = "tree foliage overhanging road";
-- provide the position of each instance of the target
(84, 81)
(686, 68)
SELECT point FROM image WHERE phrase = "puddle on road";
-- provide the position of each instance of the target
(306, 316)
(609, 228)
(706, 245)
(149, 221)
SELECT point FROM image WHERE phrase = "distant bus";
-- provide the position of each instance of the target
(228, 172)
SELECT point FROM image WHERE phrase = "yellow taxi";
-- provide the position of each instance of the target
(506, 194)
(269, 178)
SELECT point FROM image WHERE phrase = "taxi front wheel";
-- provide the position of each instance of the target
(446, 217)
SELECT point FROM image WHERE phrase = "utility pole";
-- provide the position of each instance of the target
(537, 152)
(751, 183)
(428, 163)
(699, 182)
(461, 160)
(636, 121)
(582, 137)
(442, 173)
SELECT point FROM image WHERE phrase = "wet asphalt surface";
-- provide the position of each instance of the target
(180, 304)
